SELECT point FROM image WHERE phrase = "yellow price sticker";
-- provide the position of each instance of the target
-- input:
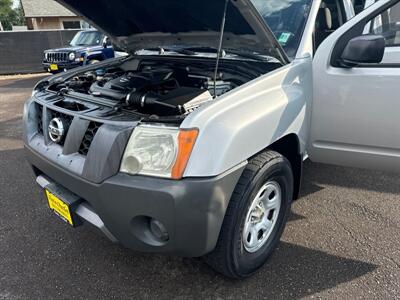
(53, 67)
(59, 207)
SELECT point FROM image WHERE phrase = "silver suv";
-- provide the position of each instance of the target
(193, 145)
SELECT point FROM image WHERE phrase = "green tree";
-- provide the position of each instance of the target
(19, 15)
(10, 16)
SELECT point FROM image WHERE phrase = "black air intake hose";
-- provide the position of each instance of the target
(169, 104)
(151, 103)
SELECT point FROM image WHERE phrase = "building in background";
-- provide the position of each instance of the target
(48, 14)
(19, 28)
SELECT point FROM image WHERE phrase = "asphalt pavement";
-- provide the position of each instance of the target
(342, 240)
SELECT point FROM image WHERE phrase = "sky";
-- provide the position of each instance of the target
(15, 2)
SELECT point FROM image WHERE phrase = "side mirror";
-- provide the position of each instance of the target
(366, 49)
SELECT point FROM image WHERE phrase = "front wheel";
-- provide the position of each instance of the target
(93, 61)
(256, 216)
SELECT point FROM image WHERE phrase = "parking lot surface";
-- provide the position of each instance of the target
(342, 241)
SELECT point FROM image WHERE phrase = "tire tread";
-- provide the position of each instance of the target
(218, 259)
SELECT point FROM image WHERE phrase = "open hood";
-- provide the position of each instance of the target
(140, 24)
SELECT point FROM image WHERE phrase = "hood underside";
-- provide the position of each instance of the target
(141, 24)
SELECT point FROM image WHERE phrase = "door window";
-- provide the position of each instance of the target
(387, 24)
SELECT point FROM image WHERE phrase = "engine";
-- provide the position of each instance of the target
(151, 92)
(154, 89)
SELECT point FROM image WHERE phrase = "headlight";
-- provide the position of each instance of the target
(158, 151)
(71, 56)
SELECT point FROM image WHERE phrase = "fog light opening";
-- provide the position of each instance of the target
(158, 230)
(150, 231)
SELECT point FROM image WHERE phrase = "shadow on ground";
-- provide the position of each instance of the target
(317, 175)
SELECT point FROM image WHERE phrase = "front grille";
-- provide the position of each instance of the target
(88, 138)
(55, 57)
(39, 111)
(66, 119)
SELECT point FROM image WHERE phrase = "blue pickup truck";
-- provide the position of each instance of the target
(86, 47)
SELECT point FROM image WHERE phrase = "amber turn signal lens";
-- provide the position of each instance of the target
(186, 141)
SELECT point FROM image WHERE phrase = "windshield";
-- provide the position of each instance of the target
(87, 38)
(287, 19)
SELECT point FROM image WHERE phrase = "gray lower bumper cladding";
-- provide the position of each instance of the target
(83, 210)
(129, 209)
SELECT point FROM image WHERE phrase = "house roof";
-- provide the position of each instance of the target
(45, 8)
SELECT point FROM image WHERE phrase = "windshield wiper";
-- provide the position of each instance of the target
(184, 51)
(243, 54)
(164, 50)
(248, 55)
(191, 51)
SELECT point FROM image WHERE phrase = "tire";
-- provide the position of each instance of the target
(93, 61)
(240, 253)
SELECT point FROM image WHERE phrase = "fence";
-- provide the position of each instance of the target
(22, 51)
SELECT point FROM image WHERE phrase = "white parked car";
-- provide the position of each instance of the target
(194, 143)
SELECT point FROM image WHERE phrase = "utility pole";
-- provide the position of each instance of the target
(1, 27)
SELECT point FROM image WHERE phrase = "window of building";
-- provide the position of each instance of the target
(71, 24)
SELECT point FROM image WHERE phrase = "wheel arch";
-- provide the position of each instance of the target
(97, 56)
(289, 147)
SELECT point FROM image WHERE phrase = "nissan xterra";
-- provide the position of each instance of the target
(193, 145)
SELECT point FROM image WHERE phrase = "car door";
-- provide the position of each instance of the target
(355, 117)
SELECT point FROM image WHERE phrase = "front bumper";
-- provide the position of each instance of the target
(192, 210)
(62, 65)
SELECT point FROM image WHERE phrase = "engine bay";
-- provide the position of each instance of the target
(162, 88)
